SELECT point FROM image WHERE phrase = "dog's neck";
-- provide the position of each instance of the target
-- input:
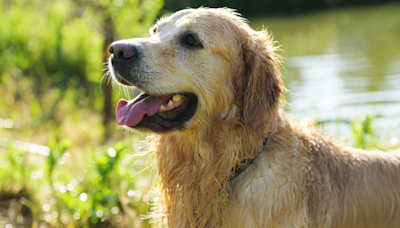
(238, 169)
(194, 167)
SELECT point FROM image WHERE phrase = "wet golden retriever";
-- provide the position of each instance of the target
(226, 153)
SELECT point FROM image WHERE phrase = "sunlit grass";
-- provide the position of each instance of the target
(107, 186)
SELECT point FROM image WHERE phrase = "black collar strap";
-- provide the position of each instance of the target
(238, 170)
(245, 163)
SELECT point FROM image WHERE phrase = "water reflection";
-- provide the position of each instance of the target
(329, 83)
(342, 64)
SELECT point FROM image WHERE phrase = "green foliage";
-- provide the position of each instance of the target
(51, 62)
(45, 53)
(57, 150)
(59, 45)
(131, 18)
(365, 136)
(13, 173)
(51, 46)
(105, 190)
(363, 133)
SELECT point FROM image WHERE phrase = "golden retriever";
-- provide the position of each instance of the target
(226, 153)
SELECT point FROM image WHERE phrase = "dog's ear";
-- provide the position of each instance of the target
(258, 85)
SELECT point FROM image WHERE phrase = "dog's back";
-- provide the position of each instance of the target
(372, 198)
(307, 181)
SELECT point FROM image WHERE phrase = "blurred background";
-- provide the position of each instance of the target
(64, 162)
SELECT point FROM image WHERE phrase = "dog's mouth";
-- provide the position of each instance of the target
(156, 113)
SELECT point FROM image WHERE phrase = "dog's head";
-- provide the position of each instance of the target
(198, 66)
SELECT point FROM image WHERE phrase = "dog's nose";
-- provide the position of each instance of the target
(123, 50)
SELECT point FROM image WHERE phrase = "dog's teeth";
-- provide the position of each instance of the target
(161, 107)
(177, 97)
(170, 103)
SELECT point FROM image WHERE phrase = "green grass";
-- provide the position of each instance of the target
(106, 188)
(51, 55)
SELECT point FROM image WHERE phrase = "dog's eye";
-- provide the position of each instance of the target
(191, 40)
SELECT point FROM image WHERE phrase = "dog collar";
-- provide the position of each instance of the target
(223, 194)
(245, 163)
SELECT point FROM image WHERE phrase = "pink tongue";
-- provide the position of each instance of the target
(131, 113)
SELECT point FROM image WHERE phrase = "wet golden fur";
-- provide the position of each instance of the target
(300, 179)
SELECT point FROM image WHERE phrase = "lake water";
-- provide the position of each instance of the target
(342, 64)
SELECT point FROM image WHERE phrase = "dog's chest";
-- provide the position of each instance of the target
(267, 194)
